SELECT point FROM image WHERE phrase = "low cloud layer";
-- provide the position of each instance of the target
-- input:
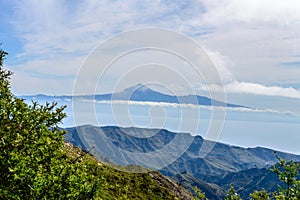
(176, 105)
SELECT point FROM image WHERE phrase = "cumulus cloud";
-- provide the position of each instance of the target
(279, 12)
(256, 36)
(222, 64)
(255, 89)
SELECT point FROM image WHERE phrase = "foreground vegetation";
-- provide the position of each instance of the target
(36, 163)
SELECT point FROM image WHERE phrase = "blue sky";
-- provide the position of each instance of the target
(254, 44)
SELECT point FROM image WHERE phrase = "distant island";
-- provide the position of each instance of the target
(139, 93)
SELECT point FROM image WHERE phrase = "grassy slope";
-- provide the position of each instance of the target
(118, 184)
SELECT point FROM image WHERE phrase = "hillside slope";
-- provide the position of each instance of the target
(118, 184)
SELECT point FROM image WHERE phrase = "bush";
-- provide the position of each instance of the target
(33, 159)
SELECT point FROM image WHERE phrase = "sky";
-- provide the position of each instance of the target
(253, 44)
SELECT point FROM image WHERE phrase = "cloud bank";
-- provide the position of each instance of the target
(176, 105)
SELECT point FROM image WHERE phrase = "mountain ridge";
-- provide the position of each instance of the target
(236, 158)
(245, 168)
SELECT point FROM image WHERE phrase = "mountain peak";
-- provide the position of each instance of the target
(140, 88)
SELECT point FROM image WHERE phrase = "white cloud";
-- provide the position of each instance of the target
(45, 76)
(222, 64)
(68, 27)
(59, 67)
(25, 83)
(255, 89)
(279, 12)
(256, 36)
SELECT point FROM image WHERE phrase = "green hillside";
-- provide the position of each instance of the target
(116, 184)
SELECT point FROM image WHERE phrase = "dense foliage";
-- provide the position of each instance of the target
(288, 173)
(34, 164)
(232, 194)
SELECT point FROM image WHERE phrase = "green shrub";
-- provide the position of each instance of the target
(33, 159)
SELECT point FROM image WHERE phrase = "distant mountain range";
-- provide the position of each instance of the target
(139, 93)
(245, 168)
